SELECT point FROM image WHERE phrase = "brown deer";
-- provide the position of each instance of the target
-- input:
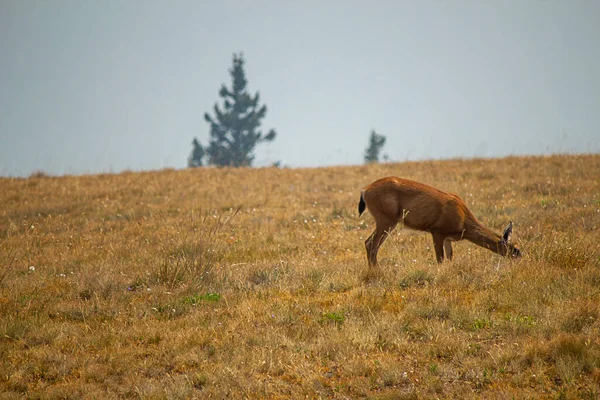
(418, 206)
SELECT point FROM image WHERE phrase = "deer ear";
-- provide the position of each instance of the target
(507, 232)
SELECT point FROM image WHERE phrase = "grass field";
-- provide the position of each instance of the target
(253, 283)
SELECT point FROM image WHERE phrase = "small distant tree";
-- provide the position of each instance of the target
(234, 127)
(376, 143)
(195, 159)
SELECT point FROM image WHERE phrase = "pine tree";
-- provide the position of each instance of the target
(195, 159)
(234, 129)
(376, 143)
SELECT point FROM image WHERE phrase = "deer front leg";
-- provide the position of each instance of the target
(448, 248)
(438, 245)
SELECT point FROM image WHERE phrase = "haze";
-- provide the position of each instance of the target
(104, 86)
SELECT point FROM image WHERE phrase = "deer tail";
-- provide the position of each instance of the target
(361, 205)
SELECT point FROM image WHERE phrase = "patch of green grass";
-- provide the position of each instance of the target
(417, 277)
(433, 368)
(336, 317)
(481, 323)
(199, 298)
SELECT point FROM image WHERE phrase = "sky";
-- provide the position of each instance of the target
(110, 85)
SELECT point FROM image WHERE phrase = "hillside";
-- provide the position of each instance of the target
(253, 283)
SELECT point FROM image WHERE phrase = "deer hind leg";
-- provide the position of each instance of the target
(438, 245)
(448, 248)
(376, 239)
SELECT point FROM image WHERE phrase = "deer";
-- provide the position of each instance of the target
(422, 207)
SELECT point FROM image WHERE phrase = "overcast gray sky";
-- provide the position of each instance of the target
(107, 85)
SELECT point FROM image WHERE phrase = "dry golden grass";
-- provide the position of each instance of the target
(253, 283)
